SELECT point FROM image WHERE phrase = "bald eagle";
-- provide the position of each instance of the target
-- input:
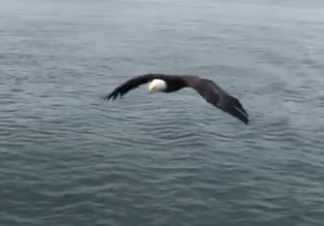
(209, 90)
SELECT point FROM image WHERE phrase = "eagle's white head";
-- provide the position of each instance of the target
(157, 85)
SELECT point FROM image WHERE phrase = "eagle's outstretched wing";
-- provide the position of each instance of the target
(219, 98)
(132, 83)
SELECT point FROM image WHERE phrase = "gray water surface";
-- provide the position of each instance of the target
(67, 158)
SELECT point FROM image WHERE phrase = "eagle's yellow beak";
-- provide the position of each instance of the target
(152, 89)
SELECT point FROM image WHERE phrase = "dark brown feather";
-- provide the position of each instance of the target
(216, 96)
(132, 83)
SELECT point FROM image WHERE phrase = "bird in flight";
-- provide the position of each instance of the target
(165, 83)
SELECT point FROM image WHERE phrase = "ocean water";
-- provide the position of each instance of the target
(68, 158)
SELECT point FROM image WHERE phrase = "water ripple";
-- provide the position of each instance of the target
(68, 158)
